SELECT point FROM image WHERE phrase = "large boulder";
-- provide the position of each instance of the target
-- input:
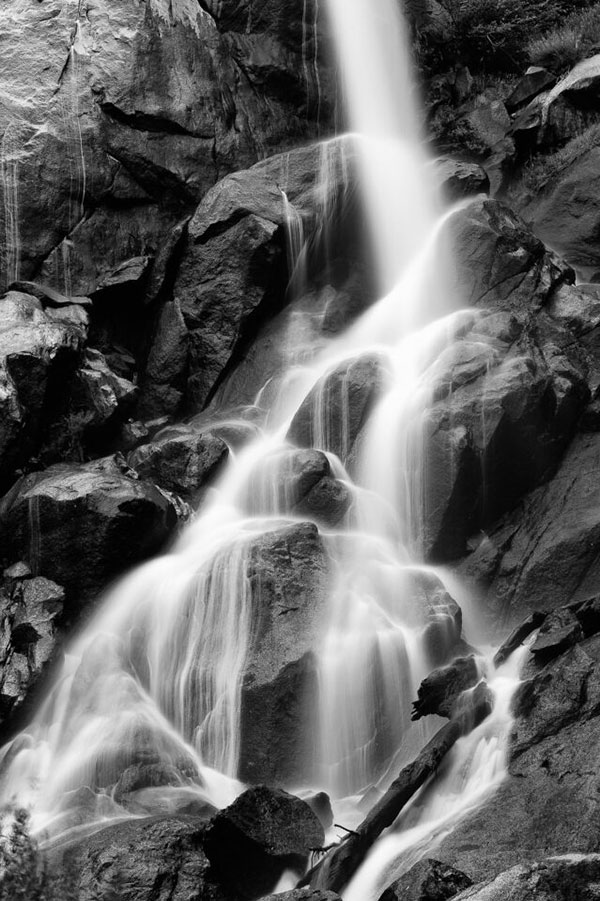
(39, 351)
(266, 831)
(118, 120)
(507, 398)
(288, 572)
(83, 525)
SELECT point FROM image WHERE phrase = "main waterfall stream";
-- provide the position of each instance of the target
(162, 663)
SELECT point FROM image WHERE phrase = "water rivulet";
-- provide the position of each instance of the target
(305, 558)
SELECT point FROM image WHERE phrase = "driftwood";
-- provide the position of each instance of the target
(335, 871)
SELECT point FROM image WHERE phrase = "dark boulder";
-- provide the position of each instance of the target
(266, 832)
(333, 414)
(428, 880)
(83, 525)
(181, 461)
(560, 631)
(440, 691)
(535, 80)
(288, 570)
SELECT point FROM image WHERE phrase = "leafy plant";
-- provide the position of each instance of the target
(24, 874)
(560, 48)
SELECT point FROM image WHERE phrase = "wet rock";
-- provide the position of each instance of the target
(459, 180)
(535, 80)
(334, 412)
(266, 831)
(29, 609)
(428, 880)
(518, 636)
(441, 689)
(443, 619)
(181, 463)
(211, 100)
(300, 482)
(82, 525)
(553, 879)
(288, 573)
(104, 394)
(142, 860)
(499, 263)
(38, 354)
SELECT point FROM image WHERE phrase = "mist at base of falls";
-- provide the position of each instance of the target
(157, 676)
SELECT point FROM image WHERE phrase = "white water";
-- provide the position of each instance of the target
(156, 677)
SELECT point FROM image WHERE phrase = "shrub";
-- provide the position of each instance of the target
(543, 169)
(24, 874)
(574, 40)
(494, 34)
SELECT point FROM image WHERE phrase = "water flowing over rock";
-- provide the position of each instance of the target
(83, 525)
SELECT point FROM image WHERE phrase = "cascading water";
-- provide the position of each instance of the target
(156, 677)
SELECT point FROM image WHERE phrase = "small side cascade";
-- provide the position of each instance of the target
(10, 150)
(310, 58)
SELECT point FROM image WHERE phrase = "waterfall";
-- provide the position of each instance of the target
(155, 679)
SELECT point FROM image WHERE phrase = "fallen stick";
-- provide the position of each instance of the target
(335, 871)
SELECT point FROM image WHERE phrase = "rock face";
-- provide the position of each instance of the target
(81, 526)
(288, 573)
(553, 879)
(500, 264)
(536, 559)
(148, 106)
(30, 607)
(39, 350)
(266, 832)
(508, 397)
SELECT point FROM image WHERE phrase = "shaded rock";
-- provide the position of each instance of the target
(266, 831)
(38, 354)
(535, 80)
(141, 858)
(443, 619)
(83, 525)
(459, 179)
(440, 691)
(500, 264)
(345, 396)
(320, 804)
(554, 879)
(499, 427)
(428, 880)
(29, 611)
(163, 386)
(545, 554)
(182, 463)
(288, 574)
(300, 482)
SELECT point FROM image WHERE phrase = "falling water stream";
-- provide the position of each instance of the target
(160, 667)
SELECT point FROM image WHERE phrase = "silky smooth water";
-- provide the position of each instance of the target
(157, 674)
